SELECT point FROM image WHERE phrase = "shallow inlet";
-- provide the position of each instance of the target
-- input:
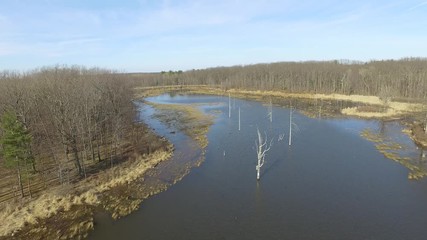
(330, 184)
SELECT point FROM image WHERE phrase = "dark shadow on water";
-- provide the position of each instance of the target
(275, 161)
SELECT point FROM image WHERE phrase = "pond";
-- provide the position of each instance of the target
(331, 183)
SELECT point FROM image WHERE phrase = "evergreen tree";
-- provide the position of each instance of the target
(15, 142)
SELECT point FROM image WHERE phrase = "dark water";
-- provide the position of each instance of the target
(330, 184)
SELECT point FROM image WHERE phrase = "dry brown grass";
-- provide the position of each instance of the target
(84, 193)
(188, 118)
(391, 150)
(356, 111)
(418, 134)
(392, 109)
(143, 92)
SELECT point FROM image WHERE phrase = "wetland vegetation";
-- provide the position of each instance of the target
(98, 143)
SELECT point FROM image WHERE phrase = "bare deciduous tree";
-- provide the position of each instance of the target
(404, 78)
(425, 124)
(239, 118)
(262, 147)
(270, 111)
(77, 118)
(292, 125)
(229, 106)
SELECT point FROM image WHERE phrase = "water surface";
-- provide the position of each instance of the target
(330, 184)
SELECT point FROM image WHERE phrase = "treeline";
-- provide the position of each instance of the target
(405, 78)
(60, 121)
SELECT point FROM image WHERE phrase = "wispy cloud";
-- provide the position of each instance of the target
(79, 41)
(164, 34)
(417, 6)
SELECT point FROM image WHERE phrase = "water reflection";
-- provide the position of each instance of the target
(389, 140)
(330, 184)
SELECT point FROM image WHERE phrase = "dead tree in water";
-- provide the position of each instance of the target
(229, 106)
(280, 138)
(290, 127)
(270, 111)
(239, 118)
(261, 149)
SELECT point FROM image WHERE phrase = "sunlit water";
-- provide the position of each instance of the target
(330, 184)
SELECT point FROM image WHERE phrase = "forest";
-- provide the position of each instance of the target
(61, 123)
(404, 78)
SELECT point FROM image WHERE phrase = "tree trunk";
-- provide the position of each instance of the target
(239, 118)
(270, 111)
(29, 185)
(97, 146)
(262, 148)
(77, 160)
(290, 127)
(229, 106)
(425, 125)
(21, 188)
(28, 180)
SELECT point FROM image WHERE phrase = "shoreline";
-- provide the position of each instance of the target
(372, 107)
(117, 191)
(189, 120)
(392, 108)
(73, 212)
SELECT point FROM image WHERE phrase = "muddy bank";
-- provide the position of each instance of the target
(68, 213)
(186, 128)
(321, 105)
(394, 150)
(185, 118)
(419, 134)
(389, 108)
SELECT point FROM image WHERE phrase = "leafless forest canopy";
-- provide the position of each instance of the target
(76, 117)
(79, 118)
(406, 78)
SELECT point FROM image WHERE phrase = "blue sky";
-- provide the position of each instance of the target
(146, 35)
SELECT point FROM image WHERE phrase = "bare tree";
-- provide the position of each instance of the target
(229, 106)
(261, 148)
(71, 113)
(270, 111)
(425, 124)
(292, 126)
(239, 118)
(404, 78)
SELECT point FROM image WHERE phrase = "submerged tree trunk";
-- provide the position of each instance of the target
(262, 149)
(270, 111)
(239, 118)
(229, 106)
(290, 127)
